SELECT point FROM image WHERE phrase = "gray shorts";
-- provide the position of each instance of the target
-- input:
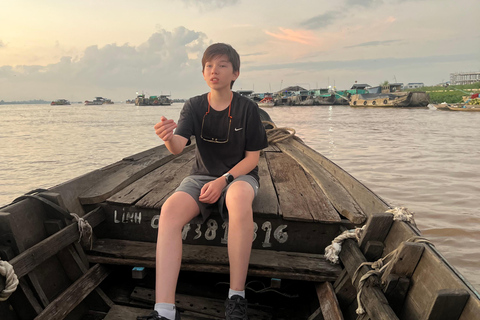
(193, 185)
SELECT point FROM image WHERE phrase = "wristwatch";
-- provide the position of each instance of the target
(228, 177)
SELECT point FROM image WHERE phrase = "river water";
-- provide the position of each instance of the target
(425, 160)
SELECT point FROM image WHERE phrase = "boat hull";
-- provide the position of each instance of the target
(398, 99)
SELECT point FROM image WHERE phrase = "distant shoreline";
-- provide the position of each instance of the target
(26, 102)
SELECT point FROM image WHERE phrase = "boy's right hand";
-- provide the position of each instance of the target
(164, 129)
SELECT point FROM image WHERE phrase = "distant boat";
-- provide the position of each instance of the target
(60, 102)
(161, 100)
(266, 102)
(391, 97)
(98, 101)
(463, 107)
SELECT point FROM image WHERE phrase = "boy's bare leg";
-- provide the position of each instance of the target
(177, 211)
(239, 200)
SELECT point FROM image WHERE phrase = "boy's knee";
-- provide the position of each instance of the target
(240, 192)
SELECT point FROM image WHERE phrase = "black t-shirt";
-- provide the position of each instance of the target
(244, 133)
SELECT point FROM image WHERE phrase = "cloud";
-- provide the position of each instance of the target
(321, 21)
(367, 64)
(363, 3)
(300, 36)
(207, 4)
(373, 43)
(162, 63)
(2, 45)
(254, 54)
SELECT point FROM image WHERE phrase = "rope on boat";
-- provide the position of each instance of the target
(11, 283)
(403, 214)
(378, 268)
(84, 228)
(333, 250)
(276, 134)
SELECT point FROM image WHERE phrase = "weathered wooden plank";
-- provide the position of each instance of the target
(143, 254)
(75, 268)
(274, 233)
(431, 275)
(32, 257)
(344, 289)
(372, 297)
(15, 228)
(316, 315)
(160, 176)
(395, 288)
(122, 312)
(75, 294)
(271, 148)
(405, 261)
(328, 301)
(448, 305)
(57, 198)
(205, 306)
(297, 198)
(172, 179)
(328, 215)
(125, 175)
(368, 201)
(266, 201)
(335, 192)
(376, 229)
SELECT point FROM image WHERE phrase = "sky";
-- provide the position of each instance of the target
(78, 50)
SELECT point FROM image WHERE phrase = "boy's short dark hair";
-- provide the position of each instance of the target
(220, 49)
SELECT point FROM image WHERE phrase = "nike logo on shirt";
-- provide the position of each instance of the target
(238, 129)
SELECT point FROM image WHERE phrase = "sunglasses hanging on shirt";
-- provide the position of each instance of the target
(216, 127)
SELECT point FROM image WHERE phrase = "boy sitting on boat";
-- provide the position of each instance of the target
(229, 136)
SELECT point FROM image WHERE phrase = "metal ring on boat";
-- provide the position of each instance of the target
(364, 103)
(374, 102)
(385, 101)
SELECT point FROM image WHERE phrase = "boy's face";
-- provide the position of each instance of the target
(218, 73)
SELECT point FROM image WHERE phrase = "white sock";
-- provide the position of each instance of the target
(166, 310)
(232, 293)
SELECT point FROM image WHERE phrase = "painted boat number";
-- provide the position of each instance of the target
(279, 234)
(212, 226)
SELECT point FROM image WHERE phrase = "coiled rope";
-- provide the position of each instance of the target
(11, 283)
(84, 228)
(332, 251)
(378, 267)
(276, 134)
(402, 214)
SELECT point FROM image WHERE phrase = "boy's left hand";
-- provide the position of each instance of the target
(212, 190)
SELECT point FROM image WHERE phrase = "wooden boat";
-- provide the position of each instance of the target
(398, 99)
(60, 102)
(457, 107)
(161, 100)
(304, 203)
(465, 107)
(97, 102)
(266, 102)
(391, 96)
